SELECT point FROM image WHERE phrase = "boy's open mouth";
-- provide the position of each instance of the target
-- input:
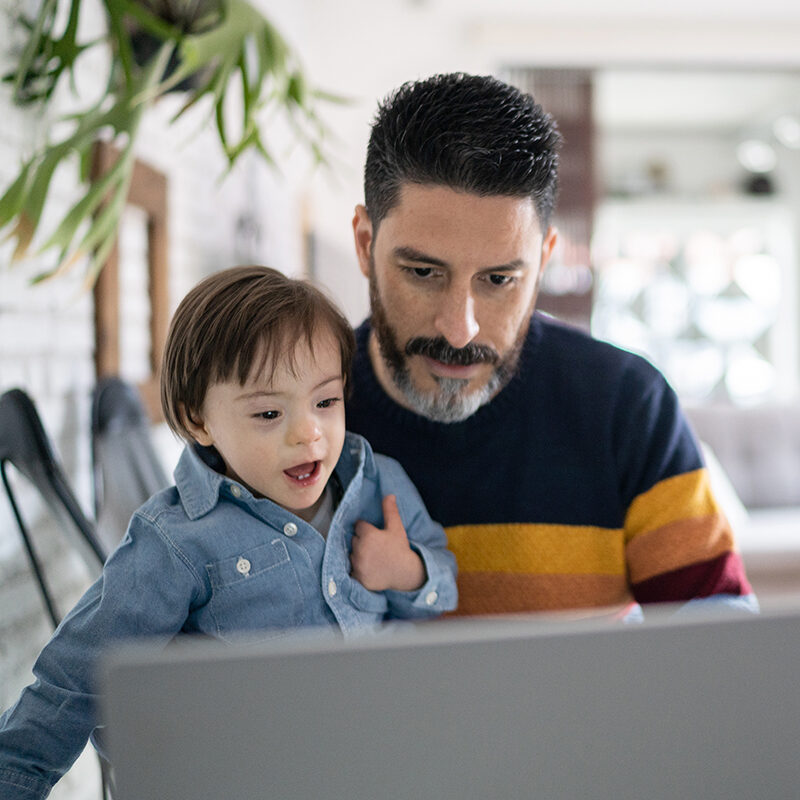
(304, 474)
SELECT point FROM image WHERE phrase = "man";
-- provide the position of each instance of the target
(561, 467)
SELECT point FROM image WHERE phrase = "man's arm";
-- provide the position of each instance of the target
(679, 545)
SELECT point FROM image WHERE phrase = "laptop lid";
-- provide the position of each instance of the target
(673, 708)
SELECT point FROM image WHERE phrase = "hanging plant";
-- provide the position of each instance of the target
(218, 50)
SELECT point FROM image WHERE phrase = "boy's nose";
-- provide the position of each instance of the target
(304, 429)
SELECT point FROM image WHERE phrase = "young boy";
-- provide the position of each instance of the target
(278, 519)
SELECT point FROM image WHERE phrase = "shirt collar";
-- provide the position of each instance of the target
(197, 483)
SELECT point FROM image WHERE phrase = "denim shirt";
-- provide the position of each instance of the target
(206, 556)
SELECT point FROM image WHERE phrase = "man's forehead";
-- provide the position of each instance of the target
(428, 217)
(409, 192)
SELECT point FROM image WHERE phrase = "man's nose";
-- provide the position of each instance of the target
(456, 319)
(304, 428)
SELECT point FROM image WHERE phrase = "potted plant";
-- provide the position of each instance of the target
(215, 51)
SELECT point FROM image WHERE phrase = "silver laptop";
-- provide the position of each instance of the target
(524, 708)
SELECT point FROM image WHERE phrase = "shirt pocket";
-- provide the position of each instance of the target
(256, 591)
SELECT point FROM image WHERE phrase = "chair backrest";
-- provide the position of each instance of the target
(25, 444)
(127, 469)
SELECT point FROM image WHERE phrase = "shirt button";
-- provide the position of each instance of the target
(243, 566)
(236, 491)
(290, 529)
(431, 598)
(332, 587)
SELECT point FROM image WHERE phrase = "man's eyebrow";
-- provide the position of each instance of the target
(418, 257)
(511, 266)
(258, 393)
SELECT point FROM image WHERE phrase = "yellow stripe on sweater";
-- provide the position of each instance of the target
(518, 548)
(682, 497)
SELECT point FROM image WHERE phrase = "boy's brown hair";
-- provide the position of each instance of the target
(238, 320)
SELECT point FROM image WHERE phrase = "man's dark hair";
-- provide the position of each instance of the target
(470, 133)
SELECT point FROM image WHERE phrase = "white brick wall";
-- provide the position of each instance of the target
(46, 331)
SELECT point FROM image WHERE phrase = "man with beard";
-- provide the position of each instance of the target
(561, 467)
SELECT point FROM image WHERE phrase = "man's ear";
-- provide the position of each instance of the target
(362, 232)
(196, 427)
(548, 243)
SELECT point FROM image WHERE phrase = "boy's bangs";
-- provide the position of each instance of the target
(275, 346)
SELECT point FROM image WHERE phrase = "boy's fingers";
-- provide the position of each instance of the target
(391, 514)
(391, 518)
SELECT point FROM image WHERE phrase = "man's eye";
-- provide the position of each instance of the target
(420, 272)
(498, 279)
(330, 401)
(268, 415)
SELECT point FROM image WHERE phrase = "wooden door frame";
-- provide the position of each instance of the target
(148, 192)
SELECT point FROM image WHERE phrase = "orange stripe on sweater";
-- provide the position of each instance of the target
(499, 593)
(678, 544)
(522, 549)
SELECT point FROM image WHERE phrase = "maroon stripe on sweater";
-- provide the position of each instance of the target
(721, 575)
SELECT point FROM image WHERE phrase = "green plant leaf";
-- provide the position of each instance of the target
(34, 45)
(34, 201)
(150, 22)
(296, 89)
(63, 235)
(13, 200)
(23, 232)
(230, 50)
(102, 233)
(99, 258)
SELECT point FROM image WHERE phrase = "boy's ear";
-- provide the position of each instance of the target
(195, 425)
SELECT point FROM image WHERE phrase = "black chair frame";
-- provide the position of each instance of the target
(25, 445)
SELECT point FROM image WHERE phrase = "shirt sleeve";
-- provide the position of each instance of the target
(43, 733)
(679, 545)
(428, 539)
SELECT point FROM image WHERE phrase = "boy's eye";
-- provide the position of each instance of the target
(328, 402)
(268, 415)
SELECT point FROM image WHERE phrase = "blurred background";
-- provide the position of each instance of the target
(679, 224)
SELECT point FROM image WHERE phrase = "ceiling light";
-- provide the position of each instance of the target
(787, 130)
(756, 156)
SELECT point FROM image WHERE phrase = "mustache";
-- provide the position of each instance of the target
(441, 350)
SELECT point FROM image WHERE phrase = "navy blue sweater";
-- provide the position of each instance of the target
(579, 484)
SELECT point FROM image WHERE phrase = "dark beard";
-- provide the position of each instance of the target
(450, 402)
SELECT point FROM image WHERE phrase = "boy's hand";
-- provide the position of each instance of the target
(383, 559)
